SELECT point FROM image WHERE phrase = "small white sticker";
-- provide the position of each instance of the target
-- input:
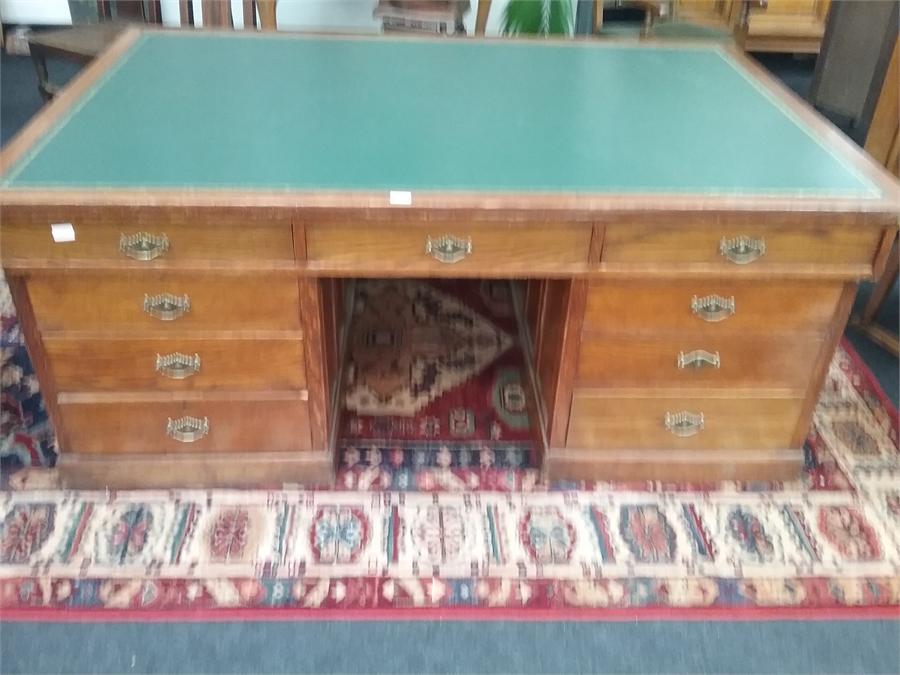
(401, 198)
(62, 232)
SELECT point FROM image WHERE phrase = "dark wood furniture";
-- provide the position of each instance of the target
(883, 143)
(217, 14)
(651, 10)
(79, 43)
(181, 292)
(793, 26)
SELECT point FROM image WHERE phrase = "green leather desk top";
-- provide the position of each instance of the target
(304, 113)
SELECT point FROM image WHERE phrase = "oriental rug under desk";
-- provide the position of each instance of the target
(443, 509)
(436, 376)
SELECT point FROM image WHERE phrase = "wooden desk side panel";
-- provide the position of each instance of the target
(820, 370)
(18, 287)
(312, 316)
(560, 321)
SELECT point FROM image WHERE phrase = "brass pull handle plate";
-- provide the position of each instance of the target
(177, 366)
(697, 359)
(143, 245)
(167, 307)
(742, 250)
(187, 429)
(448, 248)
(684, 424)
(713, 308)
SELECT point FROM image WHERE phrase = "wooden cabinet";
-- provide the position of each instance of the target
(695, 358)
(190, 349)
(796, 26)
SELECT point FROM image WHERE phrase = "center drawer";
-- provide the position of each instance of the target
(175, 364)
(217, 426)
(164, 301)
(448, 247)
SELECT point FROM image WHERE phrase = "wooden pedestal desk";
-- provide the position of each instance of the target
(691, 236)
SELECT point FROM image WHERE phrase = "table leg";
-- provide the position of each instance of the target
(484, 8)
(867, 323)
(40, 65)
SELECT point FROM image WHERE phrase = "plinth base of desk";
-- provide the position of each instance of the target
(696, 466)
(196, 470)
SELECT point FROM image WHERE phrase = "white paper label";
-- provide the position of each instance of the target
(401, 198)
(62, 232)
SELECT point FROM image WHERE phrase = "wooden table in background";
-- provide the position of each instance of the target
(78, 43)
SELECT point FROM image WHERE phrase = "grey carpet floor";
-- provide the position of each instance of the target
(454, 647)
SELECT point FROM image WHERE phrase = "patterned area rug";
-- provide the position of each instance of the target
(436, 378)
(26, 435)
(463, 527)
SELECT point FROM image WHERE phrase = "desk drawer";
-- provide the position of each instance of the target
(640, 423)
(175, 364)
(116, 302)
(231, 426)
(448, 247)
(733, 362)
(742, 246)
(710, 307)
(174, 236)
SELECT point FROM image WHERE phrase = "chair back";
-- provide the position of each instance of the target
(217, 13)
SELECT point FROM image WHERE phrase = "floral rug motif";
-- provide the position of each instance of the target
(447, 524)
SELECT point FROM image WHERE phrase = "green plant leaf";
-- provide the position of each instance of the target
(559, 17)
(537, 17)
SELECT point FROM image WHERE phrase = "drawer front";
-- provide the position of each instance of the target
(112, 302)
(710, 307)
(160, 365)
(698, 363)
(639, 423)
(233, 426)
(447, 247)
(175, 237)
(763, 246)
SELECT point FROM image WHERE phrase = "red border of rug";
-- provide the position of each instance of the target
(877, 612)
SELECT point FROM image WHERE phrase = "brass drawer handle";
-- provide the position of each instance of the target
(742, 250)
(448, 249)
(187, 429)
(697, 359)
(684, 424)
(178, 366)
(143, 245)
(167, 307)
(713, 308)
